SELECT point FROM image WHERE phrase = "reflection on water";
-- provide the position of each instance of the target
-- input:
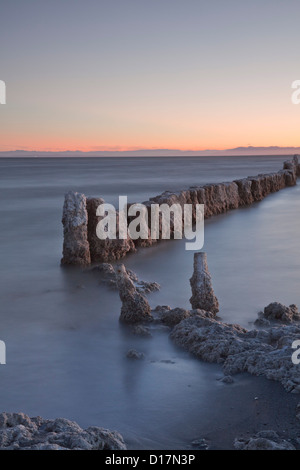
(66, 352)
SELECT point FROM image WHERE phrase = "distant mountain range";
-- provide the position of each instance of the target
(273, 150)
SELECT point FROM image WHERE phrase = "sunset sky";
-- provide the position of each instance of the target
(128, 74)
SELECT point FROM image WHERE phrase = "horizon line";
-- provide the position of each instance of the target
(152, 152)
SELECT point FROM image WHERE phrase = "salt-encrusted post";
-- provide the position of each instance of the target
(76, 250)
(203, 296)
(135, 306)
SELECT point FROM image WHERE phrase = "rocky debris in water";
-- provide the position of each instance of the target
(76, 249)
(146, 287)
(108, 276)
(135, 307)
(203, 296)
(162, 308)
(170, 317)
(227, 379)
(140, 330)
(263, 440)
(276, 312)
(261, 322)
(19, 432)
(259, 352)
(178, 314)
(201, 313)
(133, 354)
(200, 444)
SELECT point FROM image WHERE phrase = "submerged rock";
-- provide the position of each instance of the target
(227, 379)
(135, 307)
(146, 287)
(19, 432)
(203, 296)
(262, 322)
(171, 317)
(140, 330)
(264, 440)
(200, 444)
(133, 354)
(108, 276)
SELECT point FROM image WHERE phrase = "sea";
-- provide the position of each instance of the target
(65, 348)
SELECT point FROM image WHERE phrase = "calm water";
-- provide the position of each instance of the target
(66, 352)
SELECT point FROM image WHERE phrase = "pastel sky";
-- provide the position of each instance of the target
(129, 74)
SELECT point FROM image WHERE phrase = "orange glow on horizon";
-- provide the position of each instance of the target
(86, 149)
(64, 147)
(219, 133)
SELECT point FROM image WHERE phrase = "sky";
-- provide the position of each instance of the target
(115, 75)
